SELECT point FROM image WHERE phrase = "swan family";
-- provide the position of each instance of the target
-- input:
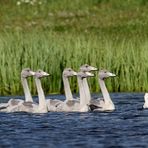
(84, 103)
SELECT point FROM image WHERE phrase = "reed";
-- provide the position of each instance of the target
(53, 52)
(54, 35)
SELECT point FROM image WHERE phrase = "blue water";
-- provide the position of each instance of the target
(127, 126)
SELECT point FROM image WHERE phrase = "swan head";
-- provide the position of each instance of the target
(87, 68)
(84, 74)
(40, 74)
(27, 72)
(69, 72)
(103, 74)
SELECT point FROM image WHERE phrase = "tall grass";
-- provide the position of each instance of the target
(56, 34)
(53, 52)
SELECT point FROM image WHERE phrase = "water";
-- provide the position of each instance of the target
(125, 127)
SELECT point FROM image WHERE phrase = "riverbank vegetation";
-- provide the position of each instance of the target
(54, 34)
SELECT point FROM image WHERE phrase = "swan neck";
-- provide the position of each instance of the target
(28, 97)
(104, 91)
(67, 89)
(87, 90)
(83, 101)
(41, 96)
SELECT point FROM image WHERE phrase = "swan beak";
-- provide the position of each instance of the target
(46, 74)
(111, 74)
(32, 73)
(90, 74)
(75, 73)
(94, 69)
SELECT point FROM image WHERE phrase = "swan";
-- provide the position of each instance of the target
(106, 103)
(75, 105)
(146, 100)
(42, 106)
(84, 107)
(27, 72)
(87, 68)
(32, 107)
(53, 104)
(69, 101)
(68, 72)
(12, 103)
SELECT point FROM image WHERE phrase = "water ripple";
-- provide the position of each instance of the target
(125, 127)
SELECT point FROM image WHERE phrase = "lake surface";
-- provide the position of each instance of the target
(127, 126)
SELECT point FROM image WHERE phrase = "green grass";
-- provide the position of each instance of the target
(108, 34)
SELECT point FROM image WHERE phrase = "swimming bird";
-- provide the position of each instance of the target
(87, 68)
(32, 107)
(69, 101)
(12, 103)
(53, 104)
(67, 73)
(42, 106)
(84, 106)
(146, 100)
(75, 105)
(106, 103)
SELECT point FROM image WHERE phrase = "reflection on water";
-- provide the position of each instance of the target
(125, 127)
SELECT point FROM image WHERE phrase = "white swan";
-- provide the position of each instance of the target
(33, 107)
(27, 72)
(87, 68)
(67, 73)
(75, 105)
(53, 104)
(106, 103)
(83, 96)
(145, 101)
(70, 102)
(13, 103)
